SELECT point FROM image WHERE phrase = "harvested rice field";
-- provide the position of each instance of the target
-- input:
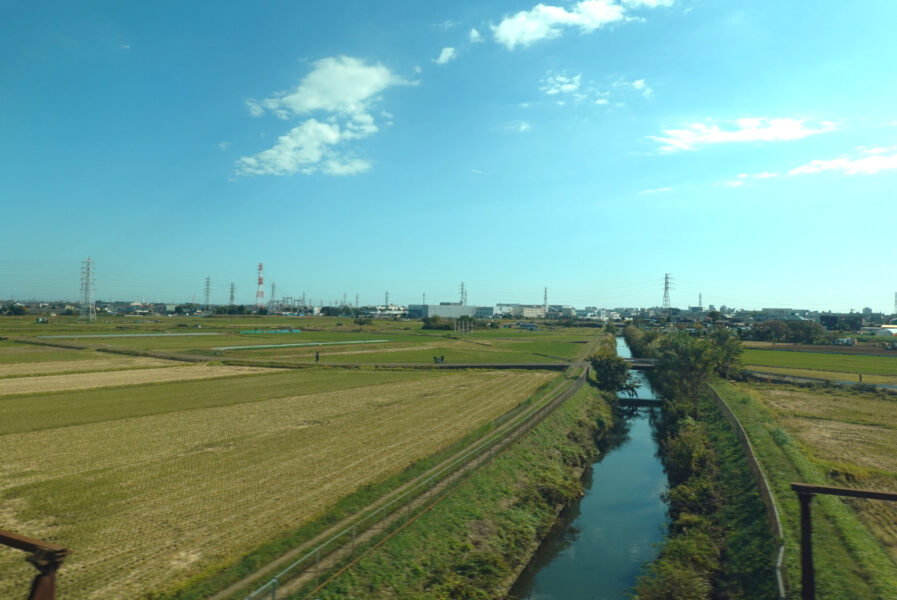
(169, 476)
(81, 381)
(836, 437)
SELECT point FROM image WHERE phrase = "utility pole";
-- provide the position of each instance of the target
(356, 300)
(423, 299)
(700, 301)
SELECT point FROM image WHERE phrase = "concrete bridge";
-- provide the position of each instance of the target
(641, 364)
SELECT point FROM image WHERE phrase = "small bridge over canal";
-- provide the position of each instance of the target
(641, 364)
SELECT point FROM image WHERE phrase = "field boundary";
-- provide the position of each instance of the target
(340, 542)
(810, 381)
(772, 511)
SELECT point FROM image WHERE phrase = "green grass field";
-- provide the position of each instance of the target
(822, 361)
(346, 342)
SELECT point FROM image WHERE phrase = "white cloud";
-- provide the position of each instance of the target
(554, 85)
(342, 88)
(660, 190)
(307, 148)
(875, 161)
(546, 22)
(445, 56)
(640, 86)
(448, 24)
(697, 135)
(475, 36)
(518, 126)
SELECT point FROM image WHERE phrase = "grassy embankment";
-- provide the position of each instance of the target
(829, 437)
(824, 365)
(473, 543)
(719, 543)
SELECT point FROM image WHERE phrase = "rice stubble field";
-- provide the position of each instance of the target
(157, 483)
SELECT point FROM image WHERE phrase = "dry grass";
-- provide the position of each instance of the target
(70, 366)
(855, 435)
(145, 502)
(83, 381)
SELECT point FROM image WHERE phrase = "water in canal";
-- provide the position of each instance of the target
(596, 550)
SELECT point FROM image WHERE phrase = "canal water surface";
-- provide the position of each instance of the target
(600, 543)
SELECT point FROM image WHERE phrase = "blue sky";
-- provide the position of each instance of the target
(747, 148)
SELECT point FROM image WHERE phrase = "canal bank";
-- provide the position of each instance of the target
(472, 543)
(600, 542)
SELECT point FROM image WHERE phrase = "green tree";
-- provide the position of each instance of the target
(612, 372)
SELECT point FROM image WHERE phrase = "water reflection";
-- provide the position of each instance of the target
(600, 542)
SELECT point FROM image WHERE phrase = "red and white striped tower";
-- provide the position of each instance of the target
(260, 294)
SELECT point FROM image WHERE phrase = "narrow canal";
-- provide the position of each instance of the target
(596, 550)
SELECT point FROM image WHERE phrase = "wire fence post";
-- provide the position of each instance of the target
(274, 590)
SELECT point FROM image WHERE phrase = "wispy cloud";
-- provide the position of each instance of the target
(875, 160)
(745, 178)
(697, 135)
(475, 36)
(518, 126)
(445, 56)
(223, 145)
(559, 85)
(660, 190)
(341, 89)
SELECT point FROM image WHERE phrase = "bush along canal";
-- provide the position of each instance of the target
(602, 540)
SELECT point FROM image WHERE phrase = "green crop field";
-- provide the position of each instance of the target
(822, 361)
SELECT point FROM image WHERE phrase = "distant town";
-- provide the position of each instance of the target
(864, 322)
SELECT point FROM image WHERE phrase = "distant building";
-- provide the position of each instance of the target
(484, 312)
(529, 311)
(447, 310)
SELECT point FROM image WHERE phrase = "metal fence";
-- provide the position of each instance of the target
(772, 511)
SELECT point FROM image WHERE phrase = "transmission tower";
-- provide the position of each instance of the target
(271, 305)
(423, 298)
(545, 301)
(232, 287)
(700, 301)
(208, 291)
(895, 303)
(666, 291)
(356, 300)
(88, 308)
(463, 295)
(387, 300)
(260, 293)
